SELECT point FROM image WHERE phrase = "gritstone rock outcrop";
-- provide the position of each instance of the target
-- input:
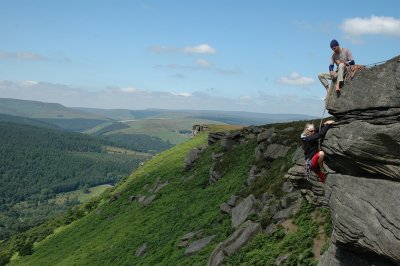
(363, 151)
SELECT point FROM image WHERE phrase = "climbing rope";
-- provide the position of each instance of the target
(375, 64)
(320, 126)
(351, 71)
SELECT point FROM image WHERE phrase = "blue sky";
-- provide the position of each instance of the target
(261, 56)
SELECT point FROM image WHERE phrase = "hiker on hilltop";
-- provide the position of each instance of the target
(342, 57)
(314, 157)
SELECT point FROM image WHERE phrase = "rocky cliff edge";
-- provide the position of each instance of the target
(363, 153)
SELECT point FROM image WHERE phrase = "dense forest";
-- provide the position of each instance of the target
(36, 163)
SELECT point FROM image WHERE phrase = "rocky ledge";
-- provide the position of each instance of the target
(363, 151)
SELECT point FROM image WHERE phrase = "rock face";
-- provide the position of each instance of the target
(363, 150)
(192, 157)
(375, 88)
(310, 187)
(234, 243)
(275, 151)
(213, 137)
(243, 210)
(198, 245)
(198, 128)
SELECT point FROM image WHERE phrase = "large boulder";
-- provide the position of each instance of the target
(245, 233)
(310, 186)
(198, 245)
(298, 155)
(259, 151)
(286, 213)
(375, 88)
(196, 129)
(230, 140)
(158, 185)
(243, 210)
(192, 156)
(266, 135)
(234, 201)
(148, 200)
(366, 214)
(213, 137)
(275, 151)
(365, 148)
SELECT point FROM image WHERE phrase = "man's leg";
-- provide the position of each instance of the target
(324, 77)
(340, 75)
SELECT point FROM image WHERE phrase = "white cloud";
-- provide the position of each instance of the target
(197, 49)
(129, 90)
(295, 79)
(374, 25)
(30, 82)
(183, 94)
(21, 55)
(203, 63)
(245, 98)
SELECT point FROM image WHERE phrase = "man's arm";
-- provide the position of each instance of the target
(322, 133)
(331, 65)
(350, 59)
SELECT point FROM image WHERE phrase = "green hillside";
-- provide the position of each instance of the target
(36, 163)
(111, 229)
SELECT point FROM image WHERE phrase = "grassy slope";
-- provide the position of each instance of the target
(297, 244)
(114, 231)
(111, 234)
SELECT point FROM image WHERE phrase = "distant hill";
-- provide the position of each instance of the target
(228, 117)
(36, 109)
(168, 125)
(129, 127)
(52, 113)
